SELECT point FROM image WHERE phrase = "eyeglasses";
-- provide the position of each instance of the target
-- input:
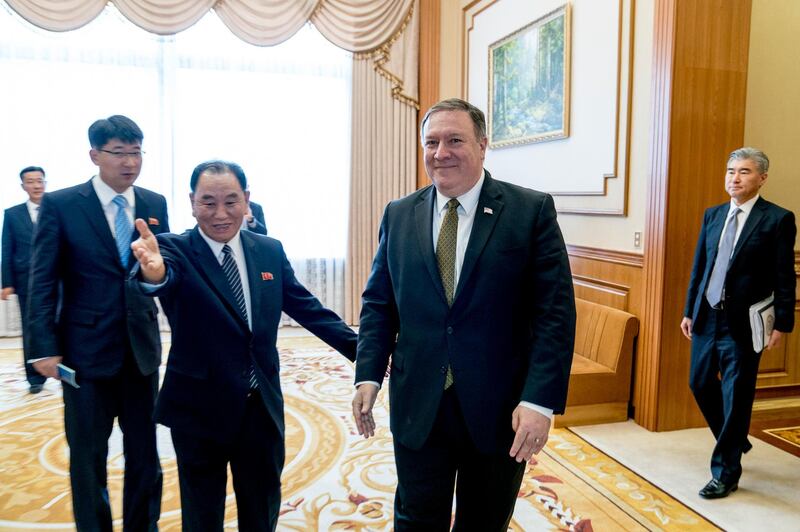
(123, 155)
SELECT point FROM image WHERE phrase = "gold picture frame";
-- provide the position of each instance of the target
(529, 77)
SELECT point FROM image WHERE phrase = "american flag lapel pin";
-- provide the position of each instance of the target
(488, 210)
(152, 221)
(267, 276)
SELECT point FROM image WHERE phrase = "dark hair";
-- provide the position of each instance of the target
(30, 169)
(114, 127)
(457, 104)
(217, 167)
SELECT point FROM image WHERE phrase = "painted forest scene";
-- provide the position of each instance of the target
(528, 83)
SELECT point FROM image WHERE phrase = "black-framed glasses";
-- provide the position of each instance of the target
(124, 154)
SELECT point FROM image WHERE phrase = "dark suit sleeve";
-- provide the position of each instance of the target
(698, 268)
(8, 252)
(379, 321)
(259, 224)
(785, 279)
(552, 315)
(306, 309)
(43, 282)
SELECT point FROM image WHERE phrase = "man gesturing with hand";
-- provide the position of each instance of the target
(471, 295)
(223, 290)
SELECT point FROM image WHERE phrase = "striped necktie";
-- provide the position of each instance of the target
(235, 281)
(446, 259)
(123, 229)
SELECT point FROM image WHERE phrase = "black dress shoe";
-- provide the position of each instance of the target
(716, 489)
(747, 446)
(36, 388)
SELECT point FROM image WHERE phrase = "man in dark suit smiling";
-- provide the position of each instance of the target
(106, 330)
(745, 253)
(223, 290)
(471, 294)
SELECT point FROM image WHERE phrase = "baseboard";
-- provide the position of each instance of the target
(592, 414)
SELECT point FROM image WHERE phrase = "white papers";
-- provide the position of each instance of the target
(762, 321)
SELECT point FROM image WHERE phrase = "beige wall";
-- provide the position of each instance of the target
(772, 119)
(606, 232)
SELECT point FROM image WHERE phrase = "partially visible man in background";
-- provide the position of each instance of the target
(254, 219)
(19, 223)
(106, 330)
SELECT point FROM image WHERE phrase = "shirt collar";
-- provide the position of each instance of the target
(106, 194)
(216, 247)
(745, 207)
(468, 200)
(32, 206)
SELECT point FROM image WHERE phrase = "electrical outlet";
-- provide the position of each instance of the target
(637, 239)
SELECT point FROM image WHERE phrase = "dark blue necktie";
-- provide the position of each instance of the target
(235, 281)
(717, 281)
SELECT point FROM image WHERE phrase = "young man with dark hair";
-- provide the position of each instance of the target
(106, 331)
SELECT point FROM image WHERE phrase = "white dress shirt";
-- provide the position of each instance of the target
(741, 218)
(33, 210)
(106, 195)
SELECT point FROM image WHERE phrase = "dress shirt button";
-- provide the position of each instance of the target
(449, 330)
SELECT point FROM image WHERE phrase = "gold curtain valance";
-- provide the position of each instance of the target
(354, 25)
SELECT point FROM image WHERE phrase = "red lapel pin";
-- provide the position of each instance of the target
(267, 276)
(152, 221)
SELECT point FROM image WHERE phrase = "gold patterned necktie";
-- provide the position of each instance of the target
(446, 259)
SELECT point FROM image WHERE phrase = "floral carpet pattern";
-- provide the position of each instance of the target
(333, 479)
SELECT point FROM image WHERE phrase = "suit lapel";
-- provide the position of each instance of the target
(487, 213)
(753, 219)
(90, 204)
(252, 259)
(423, 214)
(25, 218)
(209, 267)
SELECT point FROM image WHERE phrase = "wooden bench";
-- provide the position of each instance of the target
(600, 378)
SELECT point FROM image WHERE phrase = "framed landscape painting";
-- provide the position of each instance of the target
(529, 82)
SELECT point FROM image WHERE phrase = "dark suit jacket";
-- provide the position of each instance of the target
(17, 237)
(509, 335)
(99, 309)
(762, 263)
(206, 384)
(258, 217)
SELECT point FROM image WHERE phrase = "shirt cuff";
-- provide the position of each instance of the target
(369, 382)
(548, 412)
(149, 288)
(32, 360)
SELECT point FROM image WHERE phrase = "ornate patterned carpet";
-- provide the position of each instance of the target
(333, 479)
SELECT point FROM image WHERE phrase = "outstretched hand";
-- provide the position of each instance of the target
(145, 249)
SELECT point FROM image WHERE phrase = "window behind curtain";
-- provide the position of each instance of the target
(282, 113)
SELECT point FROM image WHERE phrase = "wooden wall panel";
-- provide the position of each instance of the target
(699, 84)
(429, 54)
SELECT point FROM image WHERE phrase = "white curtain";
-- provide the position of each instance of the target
(281, 112)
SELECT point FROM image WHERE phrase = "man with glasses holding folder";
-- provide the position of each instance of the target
(744, 255)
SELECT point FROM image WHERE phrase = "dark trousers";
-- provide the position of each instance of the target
(89, 413)
(486, 486)
(33, 376)
(256, 457)
(723, 380)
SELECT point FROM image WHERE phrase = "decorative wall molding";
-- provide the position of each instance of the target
(604, 188)
(626, 258)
